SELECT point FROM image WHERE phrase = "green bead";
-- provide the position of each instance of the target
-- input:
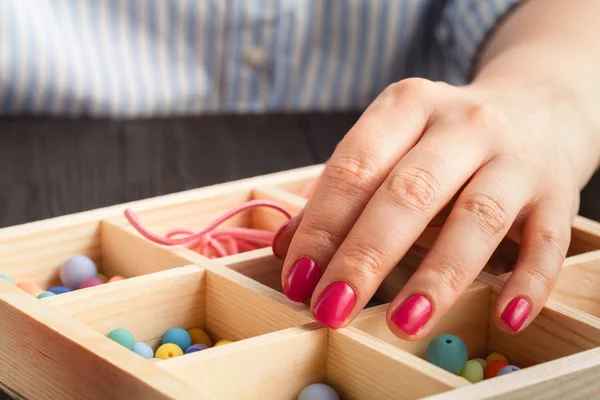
(481, 361)
(473, 371)
(447, 352)
(123, 337)
(45, 294)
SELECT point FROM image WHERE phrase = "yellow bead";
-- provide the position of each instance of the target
(222, 342)
(168, 350)
(103, 278)
(199, 336)
(495, 357)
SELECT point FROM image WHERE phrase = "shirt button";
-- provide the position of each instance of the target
(256, 57)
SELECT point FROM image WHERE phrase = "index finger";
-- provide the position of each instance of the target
(387, 130)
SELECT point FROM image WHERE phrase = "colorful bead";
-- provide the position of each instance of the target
(45, 294)
(318, 391)
(222, 342)
(199, 336)
(123, 337)
(473, 371)
(102, 277)
(91, 282)
(76, 270)
(507, 370)
(115, 279)
(30, 287)
(59, 289)
(447, 352)
(143, 350)
(195, 347)
(494, 357)
(491, 370)
(167, 351)
(481, 361)
(7, 279)
(177, 336)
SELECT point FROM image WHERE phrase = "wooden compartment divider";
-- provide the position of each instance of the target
(57, 347)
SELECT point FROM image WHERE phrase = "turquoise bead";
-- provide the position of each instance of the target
(177, 336)
(7, 279)
(123, 337)
(447, 352)
(45, 294)
(143, 350)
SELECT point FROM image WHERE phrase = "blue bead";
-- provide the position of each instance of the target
(7, 279)
(143, 350)
(177, 336)
(59, 289)
(447, 352)
(318, 391)
(507, 370)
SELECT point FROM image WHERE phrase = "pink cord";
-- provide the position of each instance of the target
(214, 241)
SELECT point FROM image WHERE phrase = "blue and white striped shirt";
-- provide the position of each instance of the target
(142, 58)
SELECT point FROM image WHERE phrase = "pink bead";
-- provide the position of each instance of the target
(89, 282)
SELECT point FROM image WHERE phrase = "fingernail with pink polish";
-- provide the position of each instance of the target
(277, 235)
(516, 312)
(412, 314)
(302, 280)
(335, 304)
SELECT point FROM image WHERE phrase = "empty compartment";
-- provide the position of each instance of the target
(280, 365)
(185, 297)
(193, 215)
(557, 332)
(38, 257)
(578, 284)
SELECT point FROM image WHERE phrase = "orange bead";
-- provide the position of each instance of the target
(30, 287)
(491, 370)
(116, 278)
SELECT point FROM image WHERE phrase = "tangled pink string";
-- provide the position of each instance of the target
(213, 241)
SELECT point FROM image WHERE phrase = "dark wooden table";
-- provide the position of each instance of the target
(55, 167)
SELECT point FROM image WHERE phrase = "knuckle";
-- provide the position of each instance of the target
(479, 114)
(486, 211)
(315, 232)
(553, 240)
(367, 259)
(540, 275)
(451, 276)
(410, 93)
(351, 174)
(413, 188)
(409, 87)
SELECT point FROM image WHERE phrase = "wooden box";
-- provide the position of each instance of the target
(56, 347)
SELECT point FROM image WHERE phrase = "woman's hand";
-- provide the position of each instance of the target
(516, 156)
(513, 149)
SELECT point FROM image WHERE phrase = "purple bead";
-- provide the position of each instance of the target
(507, 370)
(195, 347)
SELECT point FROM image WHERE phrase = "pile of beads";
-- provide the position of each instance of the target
(78, 272)
(450, 353)
(318, 391)
(213, 241)
(175, 342)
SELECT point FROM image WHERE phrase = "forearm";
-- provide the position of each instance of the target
(552, 45)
